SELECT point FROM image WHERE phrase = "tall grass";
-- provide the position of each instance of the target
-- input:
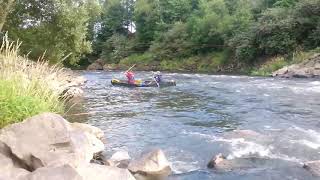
(26, 87)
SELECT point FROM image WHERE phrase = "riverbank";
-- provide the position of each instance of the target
(28, 88)
(215, 64)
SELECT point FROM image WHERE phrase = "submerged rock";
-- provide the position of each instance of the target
(218, 159)
(49, 140)
(221, 163)
(153, 163)
(313, 167)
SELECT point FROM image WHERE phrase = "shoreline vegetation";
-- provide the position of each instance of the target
(266, 68)
(217, 36)
(28, 88)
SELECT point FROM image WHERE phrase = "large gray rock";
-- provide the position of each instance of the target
(94, 67)
(65, 172)
(119, 159)
(89, 129)
(49, 140)
(85, 171)
(313, 167)
(9, 171)
(111, 67)
(97, 65)
(85, 145)
(152, 163)
(101, 172)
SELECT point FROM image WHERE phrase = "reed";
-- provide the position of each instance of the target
(26, 87)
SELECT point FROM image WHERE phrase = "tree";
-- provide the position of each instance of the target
(5, 9)
(57, 27)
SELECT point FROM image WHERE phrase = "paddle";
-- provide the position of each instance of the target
(131, 68)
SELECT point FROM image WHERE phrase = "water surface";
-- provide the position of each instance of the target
(195, 120)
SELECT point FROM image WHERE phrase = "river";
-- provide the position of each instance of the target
(193, 121)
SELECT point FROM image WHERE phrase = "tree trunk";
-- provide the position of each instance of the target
(5, 8)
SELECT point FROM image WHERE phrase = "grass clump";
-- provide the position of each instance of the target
(26, 88)
(268, 68)
(277, 63)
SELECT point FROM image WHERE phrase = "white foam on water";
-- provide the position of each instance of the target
(315, 83)
(307, 143)
(311, 133)
(313, 142)
(305, 90)
(242, 148)
(180, 167)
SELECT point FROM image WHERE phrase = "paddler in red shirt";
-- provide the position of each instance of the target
(130, 77)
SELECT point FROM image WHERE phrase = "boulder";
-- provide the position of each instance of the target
(110, 67)
(8, 170)
(151, 163)
(85, 144)
(49, 140)
(94, 66)
(65, 172)
(120, 159)
(85, 171)
(313, 167)
(101, 172)
(100, 158)
(97, 65)
(98, 133)
(100, 61)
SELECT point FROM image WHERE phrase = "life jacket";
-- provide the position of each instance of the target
(130, 77)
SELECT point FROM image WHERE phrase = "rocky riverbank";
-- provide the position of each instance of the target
(309, 68)
(47, 147)
(69, 86)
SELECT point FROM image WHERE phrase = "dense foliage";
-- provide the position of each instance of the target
(210, 33)
(58, 28)
(187, 34)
